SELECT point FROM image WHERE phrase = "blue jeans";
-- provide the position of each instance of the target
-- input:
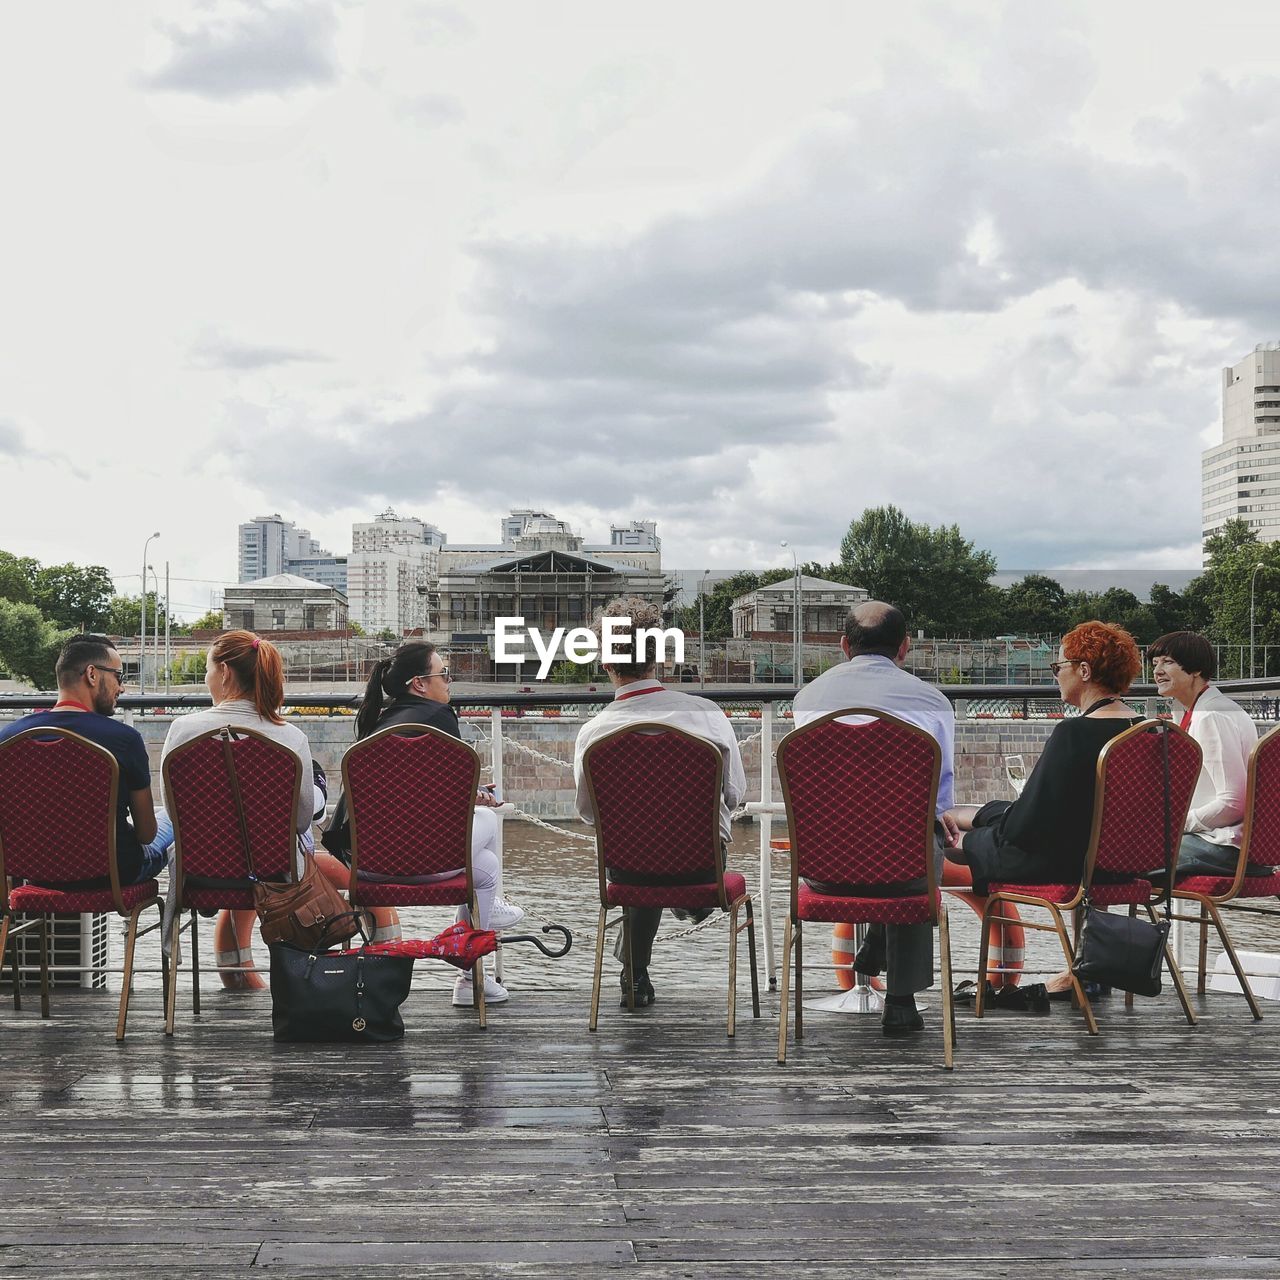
(155, 856)
(1200, 857)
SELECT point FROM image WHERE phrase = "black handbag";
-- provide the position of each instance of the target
(345, 996)
(1120, 950)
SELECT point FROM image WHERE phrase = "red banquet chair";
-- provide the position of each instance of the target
(1261, 847)
(59, 794)
(411, 794)
(861, 801)
(655, 791)
(210, 870)
(1126, 842)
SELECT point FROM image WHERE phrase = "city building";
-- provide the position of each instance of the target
(546, 575)
(269, 545)
(284, 602)
(1240, 478)
(391, 573)
(769, 612)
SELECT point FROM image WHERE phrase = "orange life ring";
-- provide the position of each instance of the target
(1006, 941)
(842, 949)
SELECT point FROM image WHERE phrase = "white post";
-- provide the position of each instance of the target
(167, 650)
(766, 836)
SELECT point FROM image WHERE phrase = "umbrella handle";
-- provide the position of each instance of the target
(508, 938)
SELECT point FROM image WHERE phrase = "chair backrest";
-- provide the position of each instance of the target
(1260, 843)
(655, 791)
(861, 799)
(1128, 834)
(197, 787)
(59, 794)
(411, 793)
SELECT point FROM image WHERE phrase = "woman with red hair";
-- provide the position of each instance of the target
(1041, 837)
(245, 676)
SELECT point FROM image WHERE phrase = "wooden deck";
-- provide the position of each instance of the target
(655, 1146)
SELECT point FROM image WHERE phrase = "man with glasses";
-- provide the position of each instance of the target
(90, 678)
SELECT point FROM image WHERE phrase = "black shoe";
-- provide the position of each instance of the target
(869, 959)
(901, 1020)
(644, 991)
(697, 915)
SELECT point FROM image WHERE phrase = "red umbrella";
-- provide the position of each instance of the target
(459, 945)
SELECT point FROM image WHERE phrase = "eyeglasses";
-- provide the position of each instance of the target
(1055, 667)
(118, 672)
(443, 674)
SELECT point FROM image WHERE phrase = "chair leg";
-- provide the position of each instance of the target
(984, 948)
(171, 994)
(1216, 916)
(1128, 995)
(477, 992)
(4, 940)
(595, 984)
(126, 979)
(1204, 951)
(1175, 972)
(733, 968)
(784, 992)
(1090, 1022)
(44, 966)
(630, 968)
(195, 963)
(799, 980)
(751, 951)
(948, 1001)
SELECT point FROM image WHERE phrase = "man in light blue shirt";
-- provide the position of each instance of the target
(875, 642)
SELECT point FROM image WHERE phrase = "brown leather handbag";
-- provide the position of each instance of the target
(307, 912)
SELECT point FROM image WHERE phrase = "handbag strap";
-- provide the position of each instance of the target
(229, 757)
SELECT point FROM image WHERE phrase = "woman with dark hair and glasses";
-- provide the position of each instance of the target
(412, 687)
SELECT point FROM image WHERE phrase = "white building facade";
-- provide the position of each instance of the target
(392, 573)
(1240, 478)
(271, 545)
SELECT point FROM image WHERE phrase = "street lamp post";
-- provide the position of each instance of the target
(796, 654)
(1253, 582)
(142, 646)
(702, 630)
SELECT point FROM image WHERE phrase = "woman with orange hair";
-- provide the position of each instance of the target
(245, 676)
(1042, 837)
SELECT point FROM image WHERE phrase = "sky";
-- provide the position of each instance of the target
(743, 269)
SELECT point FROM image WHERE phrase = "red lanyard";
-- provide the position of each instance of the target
(636, 693)
(69, 702)
(1186, 715)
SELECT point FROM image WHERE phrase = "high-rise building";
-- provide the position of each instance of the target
(1240, 478)
(392, 572)
(271, 544)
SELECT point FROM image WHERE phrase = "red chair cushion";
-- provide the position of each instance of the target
(909, 909)
(39, 899)
(1216, 886)
(1101, 895)
(441, 893)
(690, 896)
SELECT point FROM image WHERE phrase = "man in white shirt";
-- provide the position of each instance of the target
(639, 697)
(1182, 664)
(875, 641)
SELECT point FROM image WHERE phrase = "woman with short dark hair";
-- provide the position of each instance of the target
(1182, 664)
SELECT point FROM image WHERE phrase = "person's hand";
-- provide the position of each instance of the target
(487, 800)
(952, 829)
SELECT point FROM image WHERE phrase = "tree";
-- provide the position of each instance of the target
(935, 576)
(1173, 612)
(211, 621)
(1036, 605)
(74, 596)
(124, 615)
(29, 644)
(17, 578)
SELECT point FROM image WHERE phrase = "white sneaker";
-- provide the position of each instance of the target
(505, 915)
(464, 990)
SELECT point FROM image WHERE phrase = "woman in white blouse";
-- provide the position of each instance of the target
(1183, 664)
